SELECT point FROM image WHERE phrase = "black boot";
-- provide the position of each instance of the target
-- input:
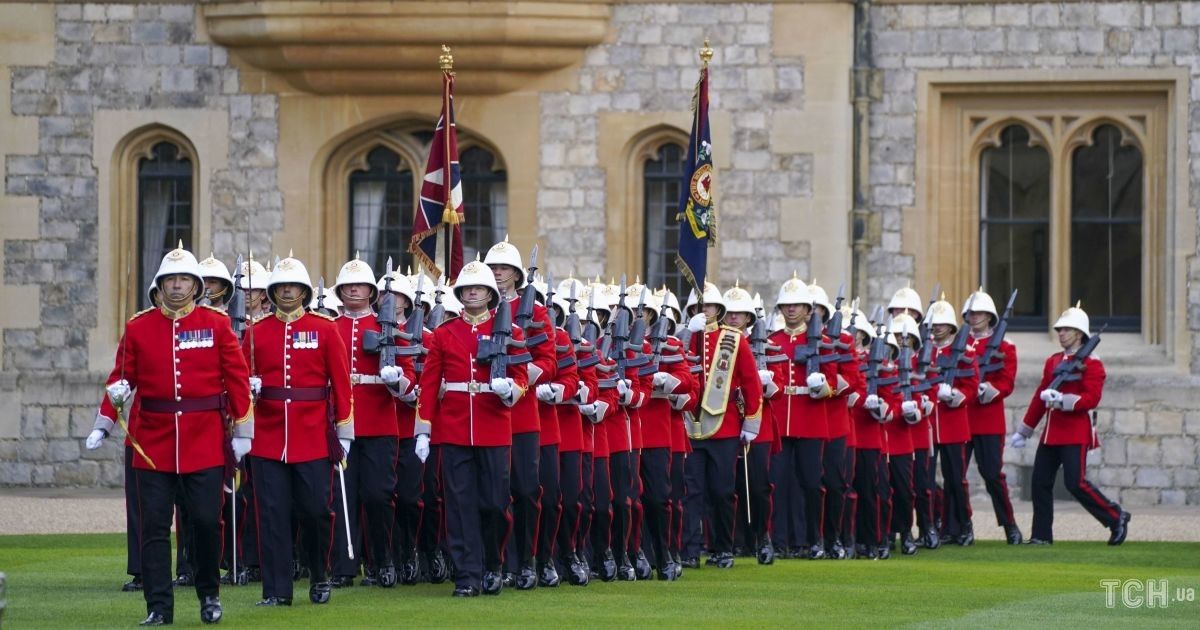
(184, 579)
(1120, 529)
(607, 566)
(577, 573)
(386, 576)
(967, 538)
(931, 539)
(342, 581)
(625, 570)
(134, 584)
(465, 591)
(816, 552)
(1013, 534)
(883, 552)
(210, 610)
(690, 563)
(766, 553)
(493, 583)
(508, 579)
(156, 619)
(320, 592)
(724, 560)
(837, 551)
(526, 578)
(410, 569)
(908, 546)
(439, 570)
(642, 568)
(370, 578)
(274, 601)
(548, 576)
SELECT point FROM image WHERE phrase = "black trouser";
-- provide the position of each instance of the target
(477, 499)
(432, 522)
(370, 496)
(675, 523)
(714, 477)
(526, 500)
(989, 459)
(570, 466)
(602, 496)
(957, 515)
(201, 493)
(133, 524)
(1073, 460)
(551, 504)
(184, 563)
(836, 482)
(806, 456)
(781, 517)
(697, 522)
(870, 482)
(246, 549)
(282, 489)
(756, 523)
(850, 513)
(903, 494)
(587, 505)
(410, 473)
(622, 476)
(637, 522)
(656, 496)
(924, 486)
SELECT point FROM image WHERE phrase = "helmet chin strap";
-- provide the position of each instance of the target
(289, 305)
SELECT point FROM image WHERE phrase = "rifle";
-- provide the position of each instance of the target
(438, 313)
(1072, 369)
(414, 329)
(383, 342)
(834, 330)
(617, 340)
(637, 334)
(591, 330)
(658, 339)
(874, 365)
(947, 368)
(759, 345)
(992, 359)
(924, 325)
(321, 297)
(576, 331)
(237, 302)
(525, 307)
(494, 349)
(809, 353)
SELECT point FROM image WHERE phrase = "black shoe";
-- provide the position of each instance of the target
(492, 583)
(626, 572)
(642, 567)
(577, 571)
(608, 566)
(320, 592)
(370, 578)
(466, 591)
(253, 574)
(509, 579)
(766, 554)
(184, 579)
(410, 570)
(967, 538)
(724, 560)
(342, 581)
(908, 546)
(134, 584)
(836, 551)
(711, 561)
(1012, 533)
(884, 552)
(300, 572)
(386, 576)
(275, 601)
(670, 572)
(1120, 529)
(227, 578)
(1038, 541)
(741, 552)
(210, 610)
(156, 619)
(439, 571)
(931, 539)
(548, 576)
(863, 551)
(816, 552)
(690, 563)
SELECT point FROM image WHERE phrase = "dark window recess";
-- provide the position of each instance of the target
(1106, 230)
(661, 182)
(485, 202)
(164, 211)
(1014, 227)
(381, 210)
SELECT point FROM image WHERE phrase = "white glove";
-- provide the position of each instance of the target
(766, 377)
(1016, 440)
(502, 387)
(945, 392)
(816, 380)
(1051, 396)
(588, 410)
(697, 322)
(583, 394)
(241, 446)
(422, 448)
(545, 393)
(94, 439)
(625, 391)
(255, 386)
(660, 379)
(909, 408)
(411, 396)
(748, 436)
(345, 447)
(390, 374)
(118, 393)
(872, 402)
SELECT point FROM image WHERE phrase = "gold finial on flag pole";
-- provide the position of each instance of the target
(706, 53)
(446, 60)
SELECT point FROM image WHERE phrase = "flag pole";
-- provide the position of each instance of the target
(706, 55)
(449, 216)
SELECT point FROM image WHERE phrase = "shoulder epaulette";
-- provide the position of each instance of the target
(260, 318)
(444, 322)
(323, 316)
(214, 309)
(143, 312)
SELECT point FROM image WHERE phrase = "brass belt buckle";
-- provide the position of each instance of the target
(473, 387)
(355, 378)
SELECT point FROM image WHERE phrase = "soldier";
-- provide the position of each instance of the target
(906, 302)
(719, 429)
(371, 470)
(218, 284)
(599, 414)
(951, 428)
(254, 283)
(870, 411)
(302, 383)
(470, 411)
(509, 273)
(801, 413)
(192, 388)
(680, 445)
(898, 437)
(986, 412)
(432, 564)
(1070, 431)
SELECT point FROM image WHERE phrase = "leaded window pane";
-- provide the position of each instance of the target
(164, 211)
(381, 210)
(661, 179)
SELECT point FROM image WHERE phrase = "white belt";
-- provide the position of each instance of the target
(795, 390)
(470, 388)
(658, 394)
(366, 379)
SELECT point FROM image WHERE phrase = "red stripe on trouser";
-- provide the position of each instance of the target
(966, 484)
(1087, 487)
(332, 524)
(1008, 510)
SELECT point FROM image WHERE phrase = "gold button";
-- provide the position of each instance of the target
(177, 399)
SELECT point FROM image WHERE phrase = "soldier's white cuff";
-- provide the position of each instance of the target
(957, 398)
(842, 385)
(852, 399)
(245, 429)
(104, 423)
(535, 373)
(881, 413)
(987, 393)
(752, 426)
(770, 389)
(1069, 401)
(346, 431)
(669, 383)
(680, 401)
(421, 428)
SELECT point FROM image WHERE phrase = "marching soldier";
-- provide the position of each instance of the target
(801, 414)
(898, 439)
(432, 564)
(509, 274)
(218, 284)
(719, 428)
(1070, 432)
(254, 283)
(600, 413)
(986, 412)
(680, 445)
(371, 471)
(951, 428)
(870, 411)
(305, 424)
(192, 388)
(470, 410)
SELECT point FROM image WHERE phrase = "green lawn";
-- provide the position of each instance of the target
(73, 581)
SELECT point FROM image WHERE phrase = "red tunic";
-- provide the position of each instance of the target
(525, 416)
(464, 418)
(174, 357)
(375, 412)
(566, 375)
(306, 352)
(623, 420)
(950, 423)
(837, 412)
(868, 430)
(587, 376)
(658, 418)
(988, 418)
(1075, 426)
(798, 415)
(743, 375)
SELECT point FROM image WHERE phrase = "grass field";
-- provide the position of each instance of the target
(73, 581)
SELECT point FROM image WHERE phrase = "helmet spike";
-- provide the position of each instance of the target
(1079, 304)
(290, 254)
(943, 296)
(180, 246)
(356, 257)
